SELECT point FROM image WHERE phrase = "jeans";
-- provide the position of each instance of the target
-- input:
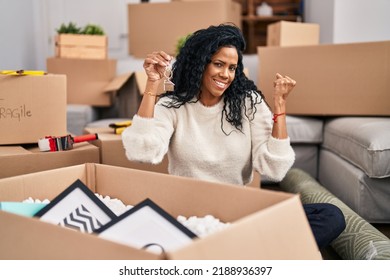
(326, 221)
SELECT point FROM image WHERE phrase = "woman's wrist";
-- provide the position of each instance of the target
(279, 105)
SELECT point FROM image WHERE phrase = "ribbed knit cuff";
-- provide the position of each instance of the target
(279, 146)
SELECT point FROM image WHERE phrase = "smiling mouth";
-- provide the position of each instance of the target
(220, 84)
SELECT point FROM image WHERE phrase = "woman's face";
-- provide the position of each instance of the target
(218, 75)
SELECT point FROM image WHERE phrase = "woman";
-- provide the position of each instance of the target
(215, 124)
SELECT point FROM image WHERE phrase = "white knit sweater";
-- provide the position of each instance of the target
(198, 148)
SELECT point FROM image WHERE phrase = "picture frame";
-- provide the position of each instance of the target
(147, 226)
(78, 208)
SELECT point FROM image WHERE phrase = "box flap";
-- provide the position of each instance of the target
(13, 150)
(165, 190)
(42, 243)
(279, 232)
(37, 185)
(18, 160)
(116, 83)
(141, 79)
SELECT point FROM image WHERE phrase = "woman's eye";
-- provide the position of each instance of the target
(233, 68)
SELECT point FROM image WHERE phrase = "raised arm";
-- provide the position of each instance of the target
(283, 85)
(154, 65)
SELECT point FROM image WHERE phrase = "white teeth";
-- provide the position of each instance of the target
(220, 84)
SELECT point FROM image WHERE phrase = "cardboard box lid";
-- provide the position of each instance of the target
(334, 79)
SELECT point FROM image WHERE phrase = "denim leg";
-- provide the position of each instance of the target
(326, 221)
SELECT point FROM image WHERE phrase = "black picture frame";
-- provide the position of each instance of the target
(78, 208)
(147, 226)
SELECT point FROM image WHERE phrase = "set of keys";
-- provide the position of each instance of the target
(168, 84)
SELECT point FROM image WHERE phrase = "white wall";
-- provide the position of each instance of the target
(361, 21)
(17, 34)
(349, 21)
(27, 27)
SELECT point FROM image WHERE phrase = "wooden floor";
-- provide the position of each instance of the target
(384, 228)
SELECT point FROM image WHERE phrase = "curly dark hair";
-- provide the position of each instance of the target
(191, 62)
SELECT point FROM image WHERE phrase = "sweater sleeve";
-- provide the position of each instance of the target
(271, 157)
(147, 139)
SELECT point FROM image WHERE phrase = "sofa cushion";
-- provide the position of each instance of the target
(362, 141)
(304, 130)
(369, 197)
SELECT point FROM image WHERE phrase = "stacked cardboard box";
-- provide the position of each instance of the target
(264, 224)
(176, 20)
(288, 33)
(31, 108)
(333, 79)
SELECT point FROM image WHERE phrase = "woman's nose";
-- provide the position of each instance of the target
(224, 72)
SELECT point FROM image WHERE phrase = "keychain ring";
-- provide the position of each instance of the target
(168, 72)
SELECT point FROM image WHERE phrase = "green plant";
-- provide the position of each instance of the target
(180, 43)
(71, 28)
(92, 29)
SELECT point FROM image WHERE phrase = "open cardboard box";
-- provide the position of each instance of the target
(17, 160)
(86, 79)
(95, 82)
(31, 107)
(126, 91)
(264, 224)
(112, 151)
(332, 80)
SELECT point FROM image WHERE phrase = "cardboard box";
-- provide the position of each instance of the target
(31, 107)
(176, 19)
(17, 160)
(332, 80)
(81, 46)
(127, 90)
(264, 224)
(289, 33)
(86, 79)
(112, 152)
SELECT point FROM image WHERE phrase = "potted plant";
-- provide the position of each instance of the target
(73, 41)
